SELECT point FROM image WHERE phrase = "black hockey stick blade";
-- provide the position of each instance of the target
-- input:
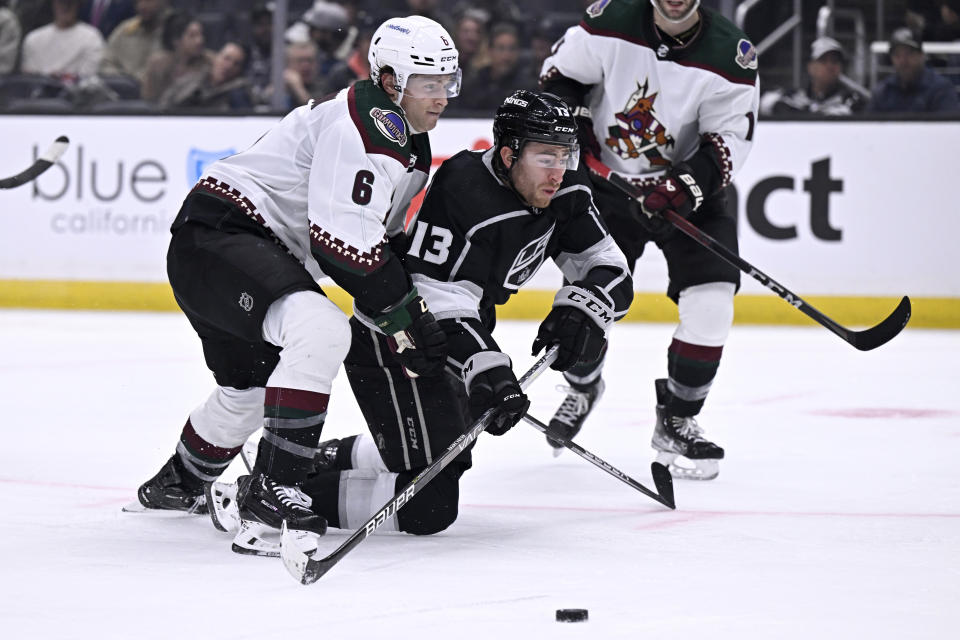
(307, 569)
(44, 162)
(885, 331)
(664, 493)
(663, 481)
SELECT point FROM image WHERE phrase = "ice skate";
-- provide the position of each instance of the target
(264, 505)
(676, 436)
(569, 418)
(169, 491)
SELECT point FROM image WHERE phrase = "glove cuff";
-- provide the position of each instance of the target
(483, 361)
(596, 304)
(400, 315)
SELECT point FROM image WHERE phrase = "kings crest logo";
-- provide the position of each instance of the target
(246, 301)
(527, 262)
(746, 54)
(597, 8)
(199, 159)
(638, 130)
(390, 124)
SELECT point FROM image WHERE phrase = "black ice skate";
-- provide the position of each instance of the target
(264, 504)
(569, 418)
(681, 436)
(172, 489)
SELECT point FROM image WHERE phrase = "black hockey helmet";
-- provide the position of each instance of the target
(540, 117)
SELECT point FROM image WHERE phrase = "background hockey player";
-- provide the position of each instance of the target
(489, 220)
(320, 193)
(669, 92)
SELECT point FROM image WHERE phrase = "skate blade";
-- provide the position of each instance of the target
(701, 469)
(256, 539)
(224, 513)
(136, 507)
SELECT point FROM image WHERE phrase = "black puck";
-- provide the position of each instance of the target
(571, 615)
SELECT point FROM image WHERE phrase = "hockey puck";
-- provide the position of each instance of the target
(571, 615)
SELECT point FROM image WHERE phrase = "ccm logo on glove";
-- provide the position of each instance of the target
(601, 312)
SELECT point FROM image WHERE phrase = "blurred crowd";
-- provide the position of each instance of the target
(148, 56)
(216, 55)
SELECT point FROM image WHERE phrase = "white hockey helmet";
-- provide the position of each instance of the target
(693, 7)
(414, 45)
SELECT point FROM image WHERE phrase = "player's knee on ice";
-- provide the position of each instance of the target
(434, 508)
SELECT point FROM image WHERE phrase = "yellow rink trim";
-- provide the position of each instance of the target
(859, 311)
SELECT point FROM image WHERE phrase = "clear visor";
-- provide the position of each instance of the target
(551, 156)
(422, 85)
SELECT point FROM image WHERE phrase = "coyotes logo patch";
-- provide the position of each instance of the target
(638, 130)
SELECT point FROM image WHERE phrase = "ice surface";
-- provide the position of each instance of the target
(836, 513)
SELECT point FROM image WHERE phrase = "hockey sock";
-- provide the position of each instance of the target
(692, 369)
(292, 423)
(201, 460)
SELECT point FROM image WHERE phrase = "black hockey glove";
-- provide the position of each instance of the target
(677, 192)
(578, 324)
(421, 345)
(490, 383)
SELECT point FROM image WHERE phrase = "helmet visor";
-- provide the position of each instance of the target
(551, 156)
(422, 85)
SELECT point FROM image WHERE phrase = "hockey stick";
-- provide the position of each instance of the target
(863, 340)
(661, 475)
(307, 569)
(44, 162)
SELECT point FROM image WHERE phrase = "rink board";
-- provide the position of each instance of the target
(830, 209)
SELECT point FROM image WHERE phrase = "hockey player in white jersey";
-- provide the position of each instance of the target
(322, 193)
(667, 93)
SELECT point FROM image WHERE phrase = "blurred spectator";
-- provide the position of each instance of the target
(66, 48)
(355, 67)
(912, 86)
(328, 25)
(498, 11)
(9, 38)
(221, 88)
(949, 25)
(487, 88)
(470, 36)
(261, 50)
(134, 40)
(300, 75)
(825, 94)
(105, 15)
(544, 35)
(183, 53)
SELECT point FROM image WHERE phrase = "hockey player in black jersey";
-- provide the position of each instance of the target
(666, 93)
(321, 193)
(489, 220)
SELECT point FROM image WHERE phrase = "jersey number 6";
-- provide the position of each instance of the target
(363, 187)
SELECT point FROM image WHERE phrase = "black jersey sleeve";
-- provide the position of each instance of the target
(587, 253)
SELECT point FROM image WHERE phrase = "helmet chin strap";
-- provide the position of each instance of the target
(659, 10)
